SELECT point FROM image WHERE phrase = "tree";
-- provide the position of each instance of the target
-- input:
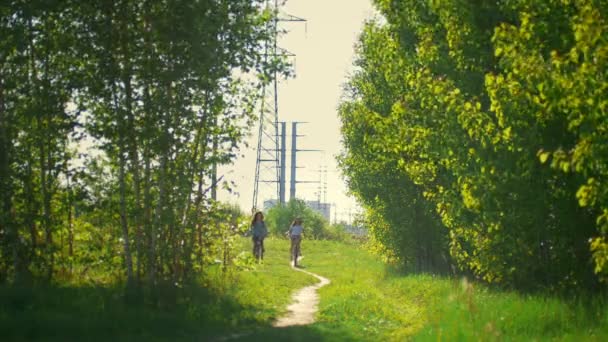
(279, 218)
(445, 104)
(160, 92)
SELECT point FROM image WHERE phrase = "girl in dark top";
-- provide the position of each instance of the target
(258, 231)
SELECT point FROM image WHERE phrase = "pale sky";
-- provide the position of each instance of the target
(324, 49)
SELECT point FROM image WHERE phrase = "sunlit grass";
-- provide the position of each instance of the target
(243, 298)
(365, 301)
(370, 302)
(466, 312)
(364, 296)
(267, 285)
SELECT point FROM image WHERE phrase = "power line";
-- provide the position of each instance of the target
(269, 162)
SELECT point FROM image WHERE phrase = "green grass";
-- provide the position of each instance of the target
(365, 298)
(366, 301)
(244, 299)
(100, 314)
(268, 285)
(466, 312)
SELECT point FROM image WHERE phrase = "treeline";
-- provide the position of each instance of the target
(280, 217)
(475, 138)
(113, 116)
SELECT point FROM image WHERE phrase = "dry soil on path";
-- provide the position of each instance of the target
(302, 309)
(304, 304)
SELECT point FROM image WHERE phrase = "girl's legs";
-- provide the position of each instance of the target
(262, 247)
(255, 241)
(295, 246)
(299, 246)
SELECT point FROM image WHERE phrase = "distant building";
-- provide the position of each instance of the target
(355, 230)
(322, 208)
(270, 204)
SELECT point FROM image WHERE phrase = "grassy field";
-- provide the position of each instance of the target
(368, 302)
(365, 298)
(466, 312)
(244, 299)
(364, 302)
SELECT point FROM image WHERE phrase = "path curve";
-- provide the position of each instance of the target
(304, 304)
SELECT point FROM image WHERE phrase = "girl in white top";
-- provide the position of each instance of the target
(296, 229)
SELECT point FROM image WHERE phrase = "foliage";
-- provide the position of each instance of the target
(338, 232)
(374, 302)
(279, 218)
(242, 300)
(466, 311)
(114, 116)
(369, 300)
(366, 301)
(448, 120)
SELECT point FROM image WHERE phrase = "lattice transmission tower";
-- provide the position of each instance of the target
(268, 174)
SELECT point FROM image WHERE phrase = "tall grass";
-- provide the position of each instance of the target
(365, 296)
(375, 303)
(467, 312)
(241, 298)
(366, 301)
(267, 285)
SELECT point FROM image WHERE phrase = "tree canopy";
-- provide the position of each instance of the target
(474, 136)
(113, 115)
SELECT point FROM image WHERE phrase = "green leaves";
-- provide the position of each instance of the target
(543, 156)
(280, 218)
(492, 123)
(156, 86)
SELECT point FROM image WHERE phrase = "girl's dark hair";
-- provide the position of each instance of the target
(296, 221)
(256, 215)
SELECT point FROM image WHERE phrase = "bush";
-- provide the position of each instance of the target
(280, 217)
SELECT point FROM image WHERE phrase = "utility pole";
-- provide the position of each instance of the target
(283, 163)
(268, 158)
(294, 160)
(294, 150)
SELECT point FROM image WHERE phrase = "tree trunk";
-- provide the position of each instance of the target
(42, 135)
(113, 77)
(8, 231)
(149, 225)
(186, 220)
(123, 189)
(193, 222)
(158, 224)
(123, 217)
(70, 200)
(174, 231)
(46, 203)
(214, 165)
(131, 136)
(200, 144)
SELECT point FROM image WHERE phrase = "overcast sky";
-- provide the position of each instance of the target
(324, 49)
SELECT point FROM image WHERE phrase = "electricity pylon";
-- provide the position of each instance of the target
(268, 162)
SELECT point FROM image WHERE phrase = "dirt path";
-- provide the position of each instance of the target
(304, 304)
(300, 312)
